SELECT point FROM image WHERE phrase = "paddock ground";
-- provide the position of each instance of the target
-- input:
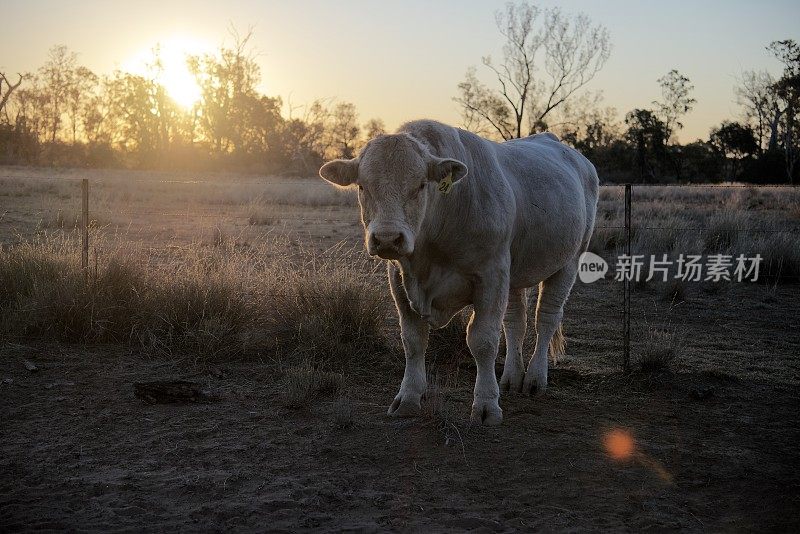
(707, 443)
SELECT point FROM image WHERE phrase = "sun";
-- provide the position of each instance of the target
(176, 77)
(172, 72)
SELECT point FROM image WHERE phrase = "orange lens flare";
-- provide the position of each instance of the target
(619, 444)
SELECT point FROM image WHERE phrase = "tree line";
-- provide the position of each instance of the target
(539, 84)
(65, 114)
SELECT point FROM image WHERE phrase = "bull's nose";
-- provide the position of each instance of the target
(393, 240)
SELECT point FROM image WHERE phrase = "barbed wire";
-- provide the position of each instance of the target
(278, 219)
(698, 229)
(708, 186)
(266, 180)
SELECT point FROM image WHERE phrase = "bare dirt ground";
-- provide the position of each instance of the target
(81, 453)
(708, 445)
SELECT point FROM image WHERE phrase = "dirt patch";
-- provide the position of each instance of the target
(79, 451)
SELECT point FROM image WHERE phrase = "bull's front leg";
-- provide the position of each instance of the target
(483, 339)
(414, 333)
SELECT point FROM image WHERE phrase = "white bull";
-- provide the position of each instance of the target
(517, 214)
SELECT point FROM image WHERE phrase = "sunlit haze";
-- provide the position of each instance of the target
(171, 69)
(404, 61)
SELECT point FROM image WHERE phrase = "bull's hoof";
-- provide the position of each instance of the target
(534, 385)
(486, 412)
(404, 407)
(511, 384)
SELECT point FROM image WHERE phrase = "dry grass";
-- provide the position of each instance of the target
(218, 266)
(658, 349)
(674, 220)
(307, 382)
(262, 216)
(206, 302)
(438, 409)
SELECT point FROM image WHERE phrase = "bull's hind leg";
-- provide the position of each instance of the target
(553, 294)
(414, 333)
(514, 326)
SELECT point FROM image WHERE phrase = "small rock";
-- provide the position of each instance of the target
(30, 366)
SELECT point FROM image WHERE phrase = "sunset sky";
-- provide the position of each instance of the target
(403, 60)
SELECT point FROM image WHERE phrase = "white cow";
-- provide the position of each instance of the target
(464, 220)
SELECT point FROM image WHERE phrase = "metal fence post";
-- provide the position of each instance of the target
(626, 327)
(85, 228)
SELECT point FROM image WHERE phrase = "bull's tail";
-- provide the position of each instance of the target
(557, 344)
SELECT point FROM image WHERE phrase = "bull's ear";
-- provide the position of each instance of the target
(442, 167)
(341, 172)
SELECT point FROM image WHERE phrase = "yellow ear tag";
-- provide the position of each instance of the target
(446, 184)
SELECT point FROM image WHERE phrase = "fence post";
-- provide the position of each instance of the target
(85, 228)
(626, 325)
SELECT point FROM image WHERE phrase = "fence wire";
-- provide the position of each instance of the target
(344, 213)
(345, 216)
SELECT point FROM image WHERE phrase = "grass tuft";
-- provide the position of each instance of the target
(307, 382)
(658, 350)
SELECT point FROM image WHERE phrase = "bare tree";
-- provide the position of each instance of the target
(547, 57)
(787, 90)
(4, 96)
(760, 106)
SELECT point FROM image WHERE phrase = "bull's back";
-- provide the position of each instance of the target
(555, 190)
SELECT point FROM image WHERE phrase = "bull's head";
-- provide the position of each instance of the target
(396, 178)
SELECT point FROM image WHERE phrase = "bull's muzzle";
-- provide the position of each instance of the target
(389, 244)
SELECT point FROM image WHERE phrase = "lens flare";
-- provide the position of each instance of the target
(619, 444)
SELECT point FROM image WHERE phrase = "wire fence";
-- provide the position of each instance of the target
(345, 214)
